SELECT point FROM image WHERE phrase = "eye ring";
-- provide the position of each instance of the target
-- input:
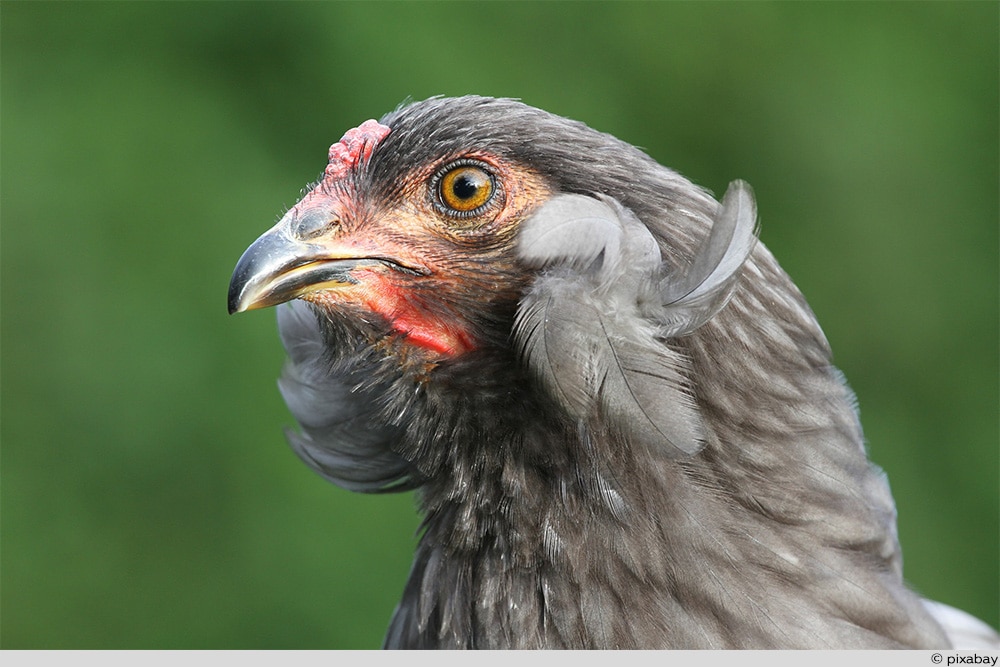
(464, 188)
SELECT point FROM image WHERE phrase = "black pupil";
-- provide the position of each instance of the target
(466, 186)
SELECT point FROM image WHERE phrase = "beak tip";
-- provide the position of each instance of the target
(264, 258)
(233, 301)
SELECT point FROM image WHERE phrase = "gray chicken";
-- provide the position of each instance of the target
(619, 412)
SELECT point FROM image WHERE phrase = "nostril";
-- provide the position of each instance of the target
(312, 223)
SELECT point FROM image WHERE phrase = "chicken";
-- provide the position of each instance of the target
(619, 412)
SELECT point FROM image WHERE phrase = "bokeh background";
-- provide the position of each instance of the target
(148, 497)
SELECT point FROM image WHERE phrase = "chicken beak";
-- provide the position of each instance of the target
(294, 259)
(277, 268)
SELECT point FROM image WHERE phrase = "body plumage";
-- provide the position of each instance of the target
(620, 414)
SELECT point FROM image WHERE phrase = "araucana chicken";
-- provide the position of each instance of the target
(619, 412)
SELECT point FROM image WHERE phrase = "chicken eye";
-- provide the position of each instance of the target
(465, 188)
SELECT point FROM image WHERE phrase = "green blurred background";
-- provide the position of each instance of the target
(148, 497)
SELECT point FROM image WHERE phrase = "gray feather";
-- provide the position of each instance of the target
(341, 437)
(581, 330)
(694, 297)
(572, 229)
(965, 631)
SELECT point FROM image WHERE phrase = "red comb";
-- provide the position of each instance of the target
(356, 145)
